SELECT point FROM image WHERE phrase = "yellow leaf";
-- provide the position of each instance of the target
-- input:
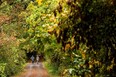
(83, 55)
(72, 40)
(64, 72)
(90, 66)
(39, 1)
(67, 46)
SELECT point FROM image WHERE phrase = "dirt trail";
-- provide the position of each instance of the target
(34, 70)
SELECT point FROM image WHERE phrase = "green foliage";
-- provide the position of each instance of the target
(78, 36)
(2, 69)
(93, 24)
(11, 59)
(36, 37)
(11, 56)
(52, 70)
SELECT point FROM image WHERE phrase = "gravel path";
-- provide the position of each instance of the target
(34, 70)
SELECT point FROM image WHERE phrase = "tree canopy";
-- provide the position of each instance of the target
(78, 37)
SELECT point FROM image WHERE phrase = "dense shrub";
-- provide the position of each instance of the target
(11, 59)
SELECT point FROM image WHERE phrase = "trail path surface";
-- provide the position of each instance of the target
(34, 70)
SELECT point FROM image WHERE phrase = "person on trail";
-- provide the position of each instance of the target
(37, 58)
(32, 58)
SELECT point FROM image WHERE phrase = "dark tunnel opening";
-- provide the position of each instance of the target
(34, 53)
(29, 54)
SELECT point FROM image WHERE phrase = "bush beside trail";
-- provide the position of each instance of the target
(11, 58)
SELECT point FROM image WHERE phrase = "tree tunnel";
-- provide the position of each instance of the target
(35, 53)
(29, 54)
